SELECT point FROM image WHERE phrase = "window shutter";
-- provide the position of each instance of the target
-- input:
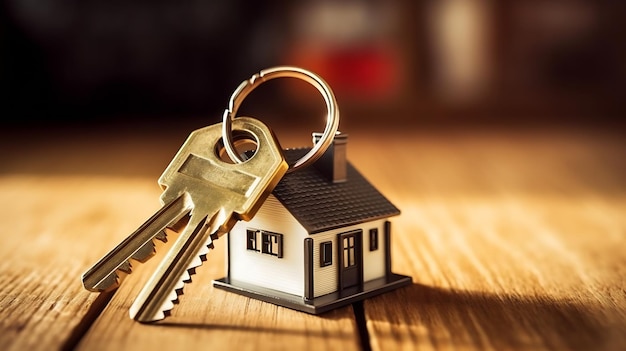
(279, 241)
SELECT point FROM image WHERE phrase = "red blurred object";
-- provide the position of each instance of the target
(363, 72)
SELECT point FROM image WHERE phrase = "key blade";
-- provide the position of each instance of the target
(167, 282)
(102, 276)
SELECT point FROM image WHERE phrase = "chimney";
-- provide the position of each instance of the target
(333, 163)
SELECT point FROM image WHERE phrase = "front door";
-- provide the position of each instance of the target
(350, 259)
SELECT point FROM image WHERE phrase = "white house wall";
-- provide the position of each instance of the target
(284, 274)
(374, 261)
(325, 279)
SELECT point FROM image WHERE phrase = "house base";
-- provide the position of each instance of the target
(319, 304)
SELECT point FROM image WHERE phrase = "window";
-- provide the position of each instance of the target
(374, 239)
(251, 235)
(272, 244)
(348, 252)
(326, 253)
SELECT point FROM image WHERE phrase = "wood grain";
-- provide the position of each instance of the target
(55, 228)
(515, 241)
(207, 316)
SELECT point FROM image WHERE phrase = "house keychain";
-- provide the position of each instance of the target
(302, 245)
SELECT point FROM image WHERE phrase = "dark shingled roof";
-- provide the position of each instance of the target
(320, 205)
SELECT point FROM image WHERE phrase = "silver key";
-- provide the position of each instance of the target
(221, 193)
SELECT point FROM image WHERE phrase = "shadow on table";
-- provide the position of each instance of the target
(421, 314)
(500, 321)
(256, 325)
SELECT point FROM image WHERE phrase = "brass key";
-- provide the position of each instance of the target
(103, 276)
(207, 195)
(220, 194)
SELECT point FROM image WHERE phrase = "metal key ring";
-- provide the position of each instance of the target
(332, 120)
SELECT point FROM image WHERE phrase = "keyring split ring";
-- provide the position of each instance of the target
(332, 119)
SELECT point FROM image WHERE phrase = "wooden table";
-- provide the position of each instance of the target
(515, 240)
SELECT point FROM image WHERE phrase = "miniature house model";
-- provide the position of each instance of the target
(320, 241)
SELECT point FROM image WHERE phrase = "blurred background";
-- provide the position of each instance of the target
(427, 62)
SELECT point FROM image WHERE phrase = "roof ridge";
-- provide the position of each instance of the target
(320, 205)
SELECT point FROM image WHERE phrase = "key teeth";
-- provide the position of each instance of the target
(111, 282)
(162, 236)
(186, 277)
(169, 305)
(173, 298)
(126, 267)
(145, 252)
(191, 271)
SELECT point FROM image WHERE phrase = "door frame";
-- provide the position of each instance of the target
(357, 234)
